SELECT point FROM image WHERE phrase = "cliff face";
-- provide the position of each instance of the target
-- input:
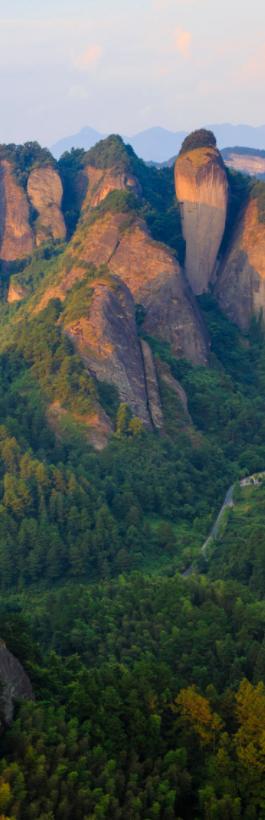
(16, 236)
(202, 191)
(152, 274)
(96, 425)
(102, 182)
(240, 287)
(246, 162)
(106, 337)
(45, 193)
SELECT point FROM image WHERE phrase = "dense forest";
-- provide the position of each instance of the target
(149, 684)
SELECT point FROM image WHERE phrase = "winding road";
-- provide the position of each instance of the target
(249, 480)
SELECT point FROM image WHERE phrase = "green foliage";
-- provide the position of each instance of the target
(108, 398)
(117, 727)
(29, 273)
(70, 167)
(116, 202)
(239, 190)
(149, 686)
(198, 139)
(157, 205)
(25, 158)
(240, 549)
(110, 152)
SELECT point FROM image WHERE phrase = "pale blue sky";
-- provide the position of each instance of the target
(125, 65)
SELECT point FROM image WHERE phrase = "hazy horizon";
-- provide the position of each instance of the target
(177, 64)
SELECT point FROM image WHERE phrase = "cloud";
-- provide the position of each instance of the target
(78, 92)
(89, 57)
(182, 40)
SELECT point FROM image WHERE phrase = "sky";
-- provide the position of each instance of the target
(125, 65)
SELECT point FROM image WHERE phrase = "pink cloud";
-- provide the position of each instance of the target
(183, 41)
(88, 58)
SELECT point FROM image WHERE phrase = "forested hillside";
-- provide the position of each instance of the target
(149, 684)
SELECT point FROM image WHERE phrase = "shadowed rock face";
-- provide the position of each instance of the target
(202, 191)
(16, 236)
(15, 684)
(106, 337)
(45, 193)
(240, 287)
(152, 389)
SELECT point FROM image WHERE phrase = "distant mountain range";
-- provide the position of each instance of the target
(158, 144)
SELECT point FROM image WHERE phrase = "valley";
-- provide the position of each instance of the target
(132, 375)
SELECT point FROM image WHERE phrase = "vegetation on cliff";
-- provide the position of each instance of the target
(25, 158)
(149, 686)
(198, 139)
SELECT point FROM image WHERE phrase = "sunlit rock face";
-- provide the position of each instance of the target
(102, 182)
(151, 273)
(245, 161)
(16, 235)
(240, 286)
(45, 193)
(202, 191)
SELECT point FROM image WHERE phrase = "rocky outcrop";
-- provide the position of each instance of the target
(106, 338)
(45, 193)
(246, 161)
(102, 182)
(152, 274)
(152, 389)
(175, 386)
(16, 236)
(19, 234)
(16, 292)
(96, 425)
(240, 286)
(202, 191)
(15, 684)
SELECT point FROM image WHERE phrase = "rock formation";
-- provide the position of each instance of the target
(102, 182)
(16, 291)
(106, 337)
(15, 684)
(246, 160)
(45, 193)
(96, 425)
(152, 274)
(240, 286)
(202, 191)
(16, 236)
(19, 234)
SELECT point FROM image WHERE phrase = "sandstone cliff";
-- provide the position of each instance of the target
(102, 182)
(16, 236)
(202, 191)
(245, 160)
(106, 338)
(45, 193)
(240, 286)
(152, 274)
(19, 234)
